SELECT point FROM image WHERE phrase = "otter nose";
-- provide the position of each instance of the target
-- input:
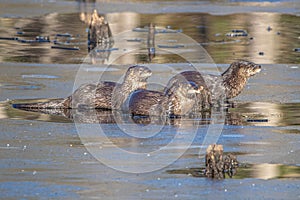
(259, 66)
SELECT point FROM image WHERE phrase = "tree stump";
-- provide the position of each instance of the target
(99, 31)
(217, 164)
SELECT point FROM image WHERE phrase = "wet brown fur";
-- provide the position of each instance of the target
(175, 101)
(228, 85)
(104, 95)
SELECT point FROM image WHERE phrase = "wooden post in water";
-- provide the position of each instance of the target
(151, 42)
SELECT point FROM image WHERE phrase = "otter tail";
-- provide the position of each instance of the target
(52, 104)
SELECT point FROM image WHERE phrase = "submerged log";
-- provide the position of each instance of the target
(217, 164)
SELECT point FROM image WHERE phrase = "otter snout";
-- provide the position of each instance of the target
(148, 72)
(195, 89)
(256, 69)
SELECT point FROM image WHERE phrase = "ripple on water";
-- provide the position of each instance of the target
(24, 85)
(40, 76)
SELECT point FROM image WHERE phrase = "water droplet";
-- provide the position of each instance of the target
(34, 173)
(158, 179)
(179, 184)
(176, 195)
(71, 145)
(148, 154)
(253, 184)
(7, 145)
(85, 153)
(225, 190)
(147, 190)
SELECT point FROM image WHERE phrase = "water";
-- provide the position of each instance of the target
(46, 155)
(206, 29)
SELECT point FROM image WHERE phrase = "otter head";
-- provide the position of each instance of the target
(136, 76)
(236, 76)
(249, 68)
(185, 89)
(245, 68)
(182, 97)
(193, 88)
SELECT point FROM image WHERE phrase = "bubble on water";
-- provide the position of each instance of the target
(148, 155)
(225, 190)
(7, 145)
(85, 153)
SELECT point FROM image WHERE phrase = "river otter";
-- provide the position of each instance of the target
(104, 95)
(195, 77)
(227, 86)
(177, 100)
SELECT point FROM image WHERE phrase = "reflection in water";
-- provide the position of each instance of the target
(6, 111)
(209, 30)
(93, 116)
(264, 43)
(253, 113)
(266, 114)
(260, 171)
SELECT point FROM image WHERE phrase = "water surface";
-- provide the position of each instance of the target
(272, 37)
